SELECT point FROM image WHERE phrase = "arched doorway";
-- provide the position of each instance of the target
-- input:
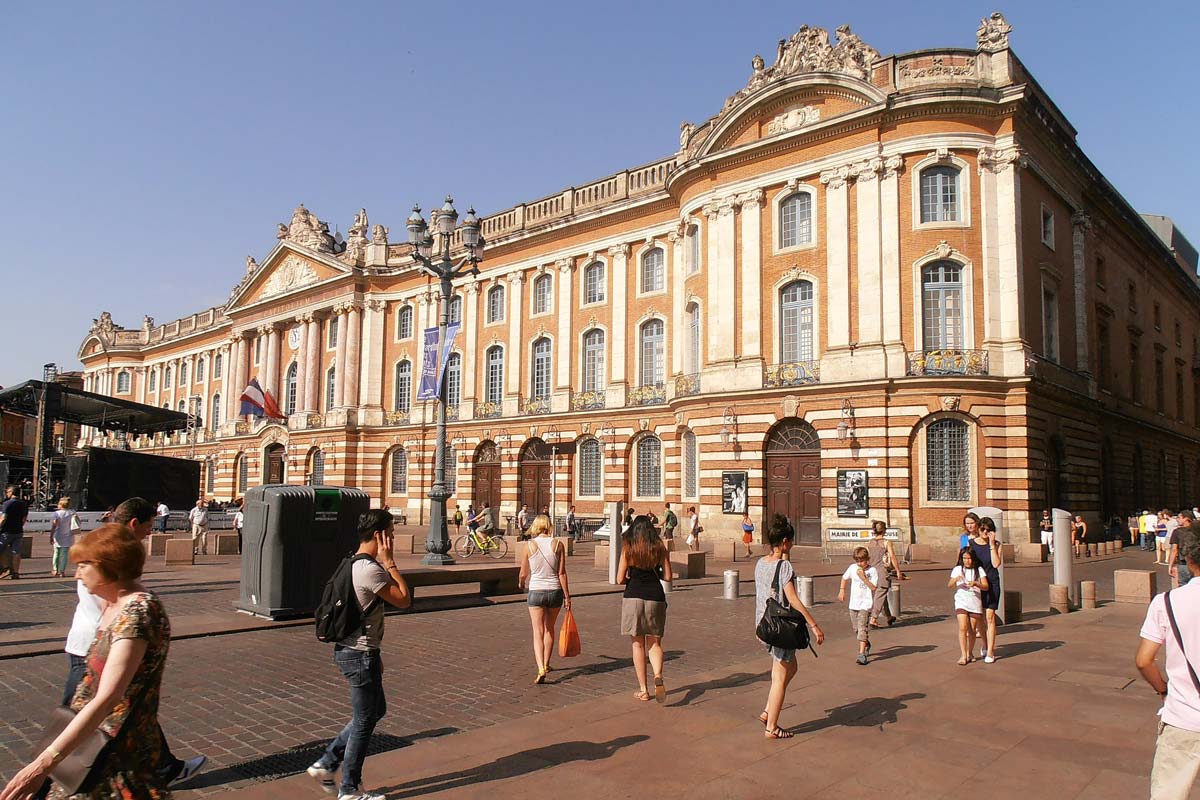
(486, 478)
(533, 487)
(273, 456)
(792, 464)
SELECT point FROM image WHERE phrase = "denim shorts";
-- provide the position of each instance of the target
(11, 541)
(781, 653)
(546, 598)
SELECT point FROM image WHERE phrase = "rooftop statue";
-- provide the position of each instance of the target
(993, 32)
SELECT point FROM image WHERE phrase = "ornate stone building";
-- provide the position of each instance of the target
(902, 266)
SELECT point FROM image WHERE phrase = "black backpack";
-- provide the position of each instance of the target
(338, 616)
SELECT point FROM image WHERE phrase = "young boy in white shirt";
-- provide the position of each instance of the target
(861, 577)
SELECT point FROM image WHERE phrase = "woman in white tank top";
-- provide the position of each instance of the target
(544, 574)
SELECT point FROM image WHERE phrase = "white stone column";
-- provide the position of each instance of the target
(618, 266)
(1081, 224)
(312, 366)
(564, 348)
(206, 392)
(301, 363)
(353, 354)
(471, 338)
(340, 356)
(678, 302)
(722, 280)
(513, 358)
(371, 378)
(1002, 258)
(751, 322)
(870, 277)
(837, 247)
(141, 374)
(891, 287)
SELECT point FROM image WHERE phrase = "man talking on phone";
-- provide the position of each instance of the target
(375, 578)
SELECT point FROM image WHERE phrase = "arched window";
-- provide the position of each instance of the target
(455, 309)
(289, 389)
(330, 380)
(948, 461)
(317, 472)
(215, 418)
(593, 283)
(243, 474)
(652, 271)
(939, 194)
(403, 400)
(649, 467)
(332, 336)
(495, 304)
(692, 353)
(495, 374)
(210, 475)
(591, 468)
(795, 220)
(593, 360)
(201, 368)
(399, 472)
(541, 294)
(123, 382)
(693, 249)
(183, 374)
(539, 388)
(454, 380)
(218, 366)
(451, 469)
(182, 407)
(691, 465)
(404, 322)
(154, 380)
(942, 305)
(167, 378)
(650, 337)
(796, 321)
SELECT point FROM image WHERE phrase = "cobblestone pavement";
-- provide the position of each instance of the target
(248, 698)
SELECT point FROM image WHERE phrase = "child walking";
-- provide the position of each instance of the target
(969, 582)
(862, 579)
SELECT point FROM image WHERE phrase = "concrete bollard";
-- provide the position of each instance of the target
(1087, 594)
(1118, 546)
(893, 600)
(732, 580)
(1060, 601)
(804, 588)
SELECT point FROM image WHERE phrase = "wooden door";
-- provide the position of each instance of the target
(794, 490)
(534, 490)
(487, 488)
(275, 464)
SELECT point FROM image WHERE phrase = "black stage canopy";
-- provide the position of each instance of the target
(87, 408)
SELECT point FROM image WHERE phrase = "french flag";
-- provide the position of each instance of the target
(259, 403)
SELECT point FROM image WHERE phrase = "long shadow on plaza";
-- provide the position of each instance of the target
(902, 650)
(296, 759)
(1025, 648)
(869, 712)
(513, 766)
(613, 664)
(736, 680)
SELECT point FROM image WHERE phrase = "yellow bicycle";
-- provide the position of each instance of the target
(479, 542)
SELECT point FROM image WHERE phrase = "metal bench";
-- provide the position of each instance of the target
(492, 579)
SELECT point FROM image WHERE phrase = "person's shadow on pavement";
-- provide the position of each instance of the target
(868, 712)
(513, 766)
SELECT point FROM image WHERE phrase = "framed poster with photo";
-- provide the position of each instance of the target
(733, 492)
(852, 493)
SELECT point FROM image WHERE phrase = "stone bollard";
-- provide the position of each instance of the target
(732, 581)
(1118, 546)
(893, 600)
(1087, 594)
(804, 588)
(1012, 611)
(1106, 549)
(1060, 601)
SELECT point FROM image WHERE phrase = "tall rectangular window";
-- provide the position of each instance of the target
(333, 332)
(691, 465)
(649, 467)
(454, 380)
(540, 383)
(399, 476)
(456, 309)
(495, 374)
(693, 249)
(1050, 323)
(943, 306)
(947, 461)
(1135, 369)
(495, 304)
(653, 278)
(404, 322)
(593, 283)
(590, 468)
(1160, 379)
(593, 360)
(652, 353)
(795, 220)
(693, 345)
(403, 398)
(1048, 227)
(939, 194)
(1179, 394)
(796, 322)
(1103, 356)
(541, 294)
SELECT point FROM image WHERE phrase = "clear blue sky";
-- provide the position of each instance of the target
(147, 148)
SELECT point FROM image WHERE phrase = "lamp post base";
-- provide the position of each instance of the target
(437, 543)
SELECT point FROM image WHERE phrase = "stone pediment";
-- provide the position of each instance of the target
(289, 268)
(809, 57)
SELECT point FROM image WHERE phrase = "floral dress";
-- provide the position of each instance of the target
(129, 766)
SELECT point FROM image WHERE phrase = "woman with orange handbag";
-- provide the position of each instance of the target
(544, 574)
(645, 564)
(747, 533)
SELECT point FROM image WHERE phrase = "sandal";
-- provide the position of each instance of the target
(763, 718)
(541, 677)
(962, 662)
(778, 733)
(643, 696)
(660, 690)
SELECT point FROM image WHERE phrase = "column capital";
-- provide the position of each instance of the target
(565, 265)
(619, 251)
(264, 330)
(998, 159)
(1081, 220)
(376, 305)
(867, 170)
(473, 287)
(752, 199)
(305, 318)
(893, 166)
(516, 278)
(836, 178)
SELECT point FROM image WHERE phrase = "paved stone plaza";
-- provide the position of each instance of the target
(1067, 716)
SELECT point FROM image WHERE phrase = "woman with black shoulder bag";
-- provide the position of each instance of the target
(774, 587)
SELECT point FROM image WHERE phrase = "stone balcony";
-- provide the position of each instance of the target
(587, 401)
(535, 405)
(948, 362)
(648, 395)
(687, 385)
(488, 410)
(791, 373)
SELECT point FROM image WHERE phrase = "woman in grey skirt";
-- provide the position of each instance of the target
(644, 564)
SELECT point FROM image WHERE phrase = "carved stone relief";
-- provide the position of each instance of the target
(293, 273)
(793, 118)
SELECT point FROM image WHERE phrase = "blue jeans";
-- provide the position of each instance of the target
(364, 672)
(74, 676)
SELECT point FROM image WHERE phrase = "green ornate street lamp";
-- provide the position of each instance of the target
(431, 249)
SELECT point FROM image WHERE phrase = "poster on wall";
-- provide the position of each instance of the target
(733, 492)
(852, 497)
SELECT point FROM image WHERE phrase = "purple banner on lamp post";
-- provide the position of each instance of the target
(447, 346)
(428, 390)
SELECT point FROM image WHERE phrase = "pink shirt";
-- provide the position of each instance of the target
(1181, 708)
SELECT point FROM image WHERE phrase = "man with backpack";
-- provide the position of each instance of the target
(670, 522)
(351, 617)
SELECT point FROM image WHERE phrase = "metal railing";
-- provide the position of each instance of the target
(687, 385)
(948, 362)
(535, 405)
(488, 410)
(585, 401)
(791, 373)
(648, 395)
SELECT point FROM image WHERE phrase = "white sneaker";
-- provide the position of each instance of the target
(989, 660)
(327, 778)
(190, 768)
(361, 795)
